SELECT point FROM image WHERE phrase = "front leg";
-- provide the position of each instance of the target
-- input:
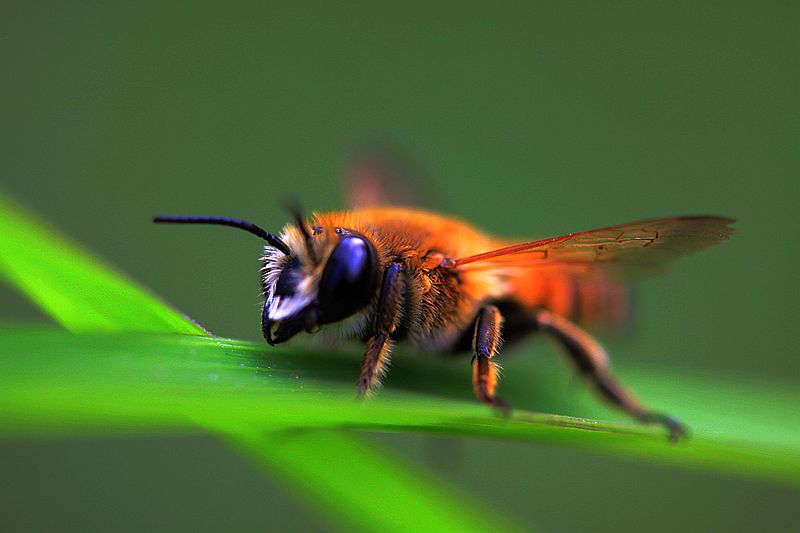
(387, 320)
(485, 344)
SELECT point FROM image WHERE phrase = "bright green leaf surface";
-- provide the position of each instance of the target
(75, 288)
(62, 382)
(57, 380)
(318, 461)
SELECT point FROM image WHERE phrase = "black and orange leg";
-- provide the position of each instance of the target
(387, 320)
(592, 361)
(485, 344)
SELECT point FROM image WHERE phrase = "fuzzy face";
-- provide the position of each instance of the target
(328, 276)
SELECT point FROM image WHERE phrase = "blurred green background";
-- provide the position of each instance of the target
(533, 118)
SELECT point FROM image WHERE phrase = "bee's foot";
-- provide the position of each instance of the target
(677, 430)
(500, 405)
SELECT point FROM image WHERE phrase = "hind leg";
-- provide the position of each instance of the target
(592, 360)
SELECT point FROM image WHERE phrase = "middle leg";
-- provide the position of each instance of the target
(485, 370)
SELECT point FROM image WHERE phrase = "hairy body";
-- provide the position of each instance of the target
(441, 303)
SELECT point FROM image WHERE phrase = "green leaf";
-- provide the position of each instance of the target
(55, 380)
(318, 462)
(77, 289)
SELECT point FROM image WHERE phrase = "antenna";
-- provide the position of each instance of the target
(225, 221)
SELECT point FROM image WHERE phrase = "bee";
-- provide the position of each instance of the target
(385, 274)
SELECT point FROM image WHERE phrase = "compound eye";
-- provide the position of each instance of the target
(348, 278)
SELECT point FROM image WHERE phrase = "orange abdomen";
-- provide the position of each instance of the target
(588, 300)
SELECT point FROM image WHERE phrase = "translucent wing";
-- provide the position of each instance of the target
(381, 173)
(645, 246)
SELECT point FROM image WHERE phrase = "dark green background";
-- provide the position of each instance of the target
(533, 119)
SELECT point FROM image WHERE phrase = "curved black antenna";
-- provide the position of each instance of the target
(225, 221)
(297, 213)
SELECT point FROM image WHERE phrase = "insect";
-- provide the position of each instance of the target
(386, 274)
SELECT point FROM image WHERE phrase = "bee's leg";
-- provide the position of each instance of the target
(387, 319)
(592, 360)
(485, 344)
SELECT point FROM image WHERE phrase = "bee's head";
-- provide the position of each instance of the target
(311, 277)
(329, 274)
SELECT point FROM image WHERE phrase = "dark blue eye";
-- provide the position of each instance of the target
(348, 278)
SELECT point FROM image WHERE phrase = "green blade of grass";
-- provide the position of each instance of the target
(77, 289)
(317, 461)
(133, 380)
